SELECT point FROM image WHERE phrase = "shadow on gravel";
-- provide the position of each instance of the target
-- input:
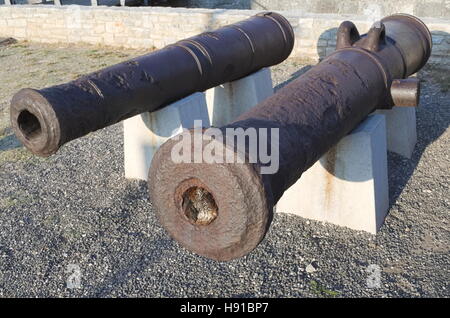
(135, 253)
(133, 268)
(9, 142)
(433, 119)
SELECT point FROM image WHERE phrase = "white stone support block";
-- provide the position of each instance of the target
(349, 185)
(228, 101)
(143, 134)
(401, 129)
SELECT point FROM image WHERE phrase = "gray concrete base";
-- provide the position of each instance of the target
(227, 102)
(401, 130)
(349, 185)
(143, 134)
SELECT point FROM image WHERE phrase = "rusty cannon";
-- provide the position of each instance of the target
(222, 210)
(44, 120)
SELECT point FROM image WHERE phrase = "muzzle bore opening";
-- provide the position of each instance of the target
(29, 125)
(199, 206)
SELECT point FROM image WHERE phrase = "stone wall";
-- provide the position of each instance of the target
(155, 27)
(378, 8)
(213, 4)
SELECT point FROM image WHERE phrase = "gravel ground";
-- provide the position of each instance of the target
(75, 211)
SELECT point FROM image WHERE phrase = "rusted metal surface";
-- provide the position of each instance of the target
(312, 113)
(7, 41)
(46, 119)
(406, 92)
(242, 213)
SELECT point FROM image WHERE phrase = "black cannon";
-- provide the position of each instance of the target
(223, 210)
(45, 119)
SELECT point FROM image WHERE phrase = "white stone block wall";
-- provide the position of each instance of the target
(421, 8)
(155, 27)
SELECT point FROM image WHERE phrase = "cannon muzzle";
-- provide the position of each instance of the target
(45, 119)
(222, 210)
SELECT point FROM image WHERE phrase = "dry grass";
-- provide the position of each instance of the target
(25, 64)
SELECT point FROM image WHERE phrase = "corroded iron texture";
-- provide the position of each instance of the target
(312, 114)
(242, 217)
(46, 119)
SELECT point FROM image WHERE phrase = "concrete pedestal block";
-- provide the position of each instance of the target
(349, 185)
(218, 106)
(143, 134)
(228, 101)
(401, 129)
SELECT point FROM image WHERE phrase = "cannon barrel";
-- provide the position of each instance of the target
(223, 210)
(45, 119)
